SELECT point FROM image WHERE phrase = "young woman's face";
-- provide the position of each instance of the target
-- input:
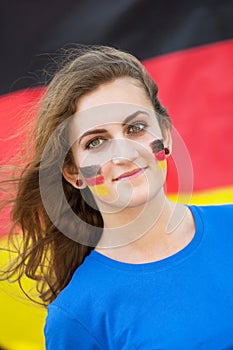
(118, 144)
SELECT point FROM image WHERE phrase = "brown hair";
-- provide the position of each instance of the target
(47, 255)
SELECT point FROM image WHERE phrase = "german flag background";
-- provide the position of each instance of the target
(186, 46)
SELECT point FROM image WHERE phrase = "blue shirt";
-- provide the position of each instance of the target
(183, 302)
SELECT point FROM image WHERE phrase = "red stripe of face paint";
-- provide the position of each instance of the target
(159, 156)
(99, 180)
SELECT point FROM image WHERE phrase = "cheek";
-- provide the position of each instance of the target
(157, 147)
(95, 180)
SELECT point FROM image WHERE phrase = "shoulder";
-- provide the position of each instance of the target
(86, 282)
(89, 292)
(72, 316)
(214, 220)
(63, 331)
(214, 212)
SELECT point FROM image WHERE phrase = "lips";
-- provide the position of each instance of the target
(129, 174)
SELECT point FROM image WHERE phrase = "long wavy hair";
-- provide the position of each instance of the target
(45, 254)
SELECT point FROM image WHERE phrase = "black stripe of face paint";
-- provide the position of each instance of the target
(157, 146)
(91, 171)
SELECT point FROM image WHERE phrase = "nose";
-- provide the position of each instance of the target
(123, 151)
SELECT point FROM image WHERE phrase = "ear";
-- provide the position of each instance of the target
(74, 177)
(167, 140)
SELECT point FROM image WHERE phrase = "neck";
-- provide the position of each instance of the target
(155, 243)
(128, 215)
(125, 226)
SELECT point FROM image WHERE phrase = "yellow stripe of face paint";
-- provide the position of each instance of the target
(99, 190)
(162, 164)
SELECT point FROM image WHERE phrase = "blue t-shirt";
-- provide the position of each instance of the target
(183, 302)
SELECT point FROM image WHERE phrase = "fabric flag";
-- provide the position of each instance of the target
(186, 46)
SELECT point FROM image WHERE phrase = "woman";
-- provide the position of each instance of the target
(120, 266)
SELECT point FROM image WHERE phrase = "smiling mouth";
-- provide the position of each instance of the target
(129, 175)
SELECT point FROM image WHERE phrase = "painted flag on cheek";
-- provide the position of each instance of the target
(95, 180)
(157, 147)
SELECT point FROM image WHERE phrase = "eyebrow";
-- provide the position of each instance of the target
(102, 131)
(132, 116)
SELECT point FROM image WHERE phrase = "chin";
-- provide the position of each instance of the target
(137, 198)
(141, 202)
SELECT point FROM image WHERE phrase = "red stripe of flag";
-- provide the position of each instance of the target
(196, 87)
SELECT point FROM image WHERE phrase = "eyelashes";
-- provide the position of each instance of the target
(134, 129)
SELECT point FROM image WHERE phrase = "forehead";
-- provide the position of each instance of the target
(122, 90)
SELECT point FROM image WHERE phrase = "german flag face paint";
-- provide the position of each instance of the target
(158, 150)
(95, 180)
